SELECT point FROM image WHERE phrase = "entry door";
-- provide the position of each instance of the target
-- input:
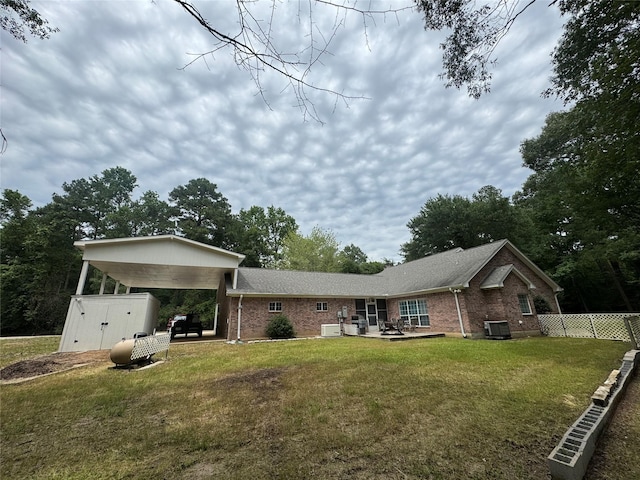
(372, 316)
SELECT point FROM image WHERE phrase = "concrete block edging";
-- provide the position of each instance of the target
(570, 458)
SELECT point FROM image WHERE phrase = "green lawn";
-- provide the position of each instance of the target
(335, 408)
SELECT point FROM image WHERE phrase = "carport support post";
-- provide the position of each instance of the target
(83, 277)
(104, 282)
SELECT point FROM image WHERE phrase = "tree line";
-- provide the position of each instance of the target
(40, 266)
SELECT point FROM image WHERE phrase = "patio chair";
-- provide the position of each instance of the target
(412, 323)
(381, 325)
(406, 325)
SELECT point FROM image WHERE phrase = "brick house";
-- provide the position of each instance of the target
(453, 292)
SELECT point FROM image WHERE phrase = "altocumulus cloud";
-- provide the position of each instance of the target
(109, 89)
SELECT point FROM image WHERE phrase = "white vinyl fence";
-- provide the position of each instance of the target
(607, 326)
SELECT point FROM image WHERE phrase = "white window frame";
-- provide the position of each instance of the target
(415, 308)
(275, 306)
(522, 299)
(322, 306)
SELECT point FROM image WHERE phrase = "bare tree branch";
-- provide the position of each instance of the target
(254, 48)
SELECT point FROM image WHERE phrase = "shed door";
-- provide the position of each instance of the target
(117, 325)
(102, 326)
(90, 326)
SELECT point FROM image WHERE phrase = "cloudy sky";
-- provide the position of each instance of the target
(109, 90)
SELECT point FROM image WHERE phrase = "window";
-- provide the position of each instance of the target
(415, 310)
(525, 307)
(322, 307)
(275, 306)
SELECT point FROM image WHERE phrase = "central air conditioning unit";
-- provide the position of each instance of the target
(497, 330)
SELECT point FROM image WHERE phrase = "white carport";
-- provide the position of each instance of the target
(164, 261)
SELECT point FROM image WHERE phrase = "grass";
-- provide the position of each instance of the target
(21, 348)
(338, 408)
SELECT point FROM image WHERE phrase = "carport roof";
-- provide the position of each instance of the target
(163, 261)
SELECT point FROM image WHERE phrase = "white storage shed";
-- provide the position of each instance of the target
(97, 322)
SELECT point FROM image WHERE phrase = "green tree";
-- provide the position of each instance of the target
(444, 222)
(204, 213)
(14, 208)
(584, 213)
(584, 193)
(370, 268)
(447, 222)
(497, 218)
(17, 17)
(152, 216)
(316, 253)
(37, 263)
(353, 260)
(95, 203)
(262, 235)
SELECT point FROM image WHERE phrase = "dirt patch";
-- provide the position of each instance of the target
(264, 378)
(52, 363)
(264, 385)
(617, 443)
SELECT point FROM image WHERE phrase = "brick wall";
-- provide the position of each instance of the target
(443, 316)
(302, 312)
(476, 306)
(502, 303)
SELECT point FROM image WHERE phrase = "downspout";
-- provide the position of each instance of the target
(555, 295)
(455, 294)
(239, 315)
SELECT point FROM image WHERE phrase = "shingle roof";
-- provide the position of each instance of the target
(454, 268)
(260, 281)
(498, 275)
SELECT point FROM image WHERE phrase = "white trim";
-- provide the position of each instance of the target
(275, 305)
(526, 297)
(82, 244)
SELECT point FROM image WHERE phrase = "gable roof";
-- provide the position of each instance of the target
(452, 269)
(498, 275)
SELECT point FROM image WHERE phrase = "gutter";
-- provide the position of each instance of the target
(455, 294)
